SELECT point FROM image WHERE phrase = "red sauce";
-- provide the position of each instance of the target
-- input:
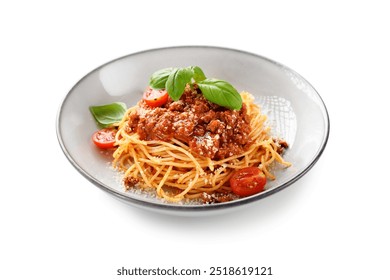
(208, 129)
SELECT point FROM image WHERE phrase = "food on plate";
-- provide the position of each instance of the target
(191, 137)
(104, 138)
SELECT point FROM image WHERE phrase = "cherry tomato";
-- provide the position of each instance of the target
(248, 181)
(155, 97)
(104, 138)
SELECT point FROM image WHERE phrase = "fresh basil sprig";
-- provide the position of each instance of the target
(160, 77)
(177, 81)
(221, 93)
(108, 114)
(198, 74)
(174, 80)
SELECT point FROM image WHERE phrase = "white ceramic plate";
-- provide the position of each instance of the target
(296, 113)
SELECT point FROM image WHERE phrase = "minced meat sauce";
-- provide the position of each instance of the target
(208, 129)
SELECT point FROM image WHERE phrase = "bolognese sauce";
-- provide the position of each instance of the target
(208, 129)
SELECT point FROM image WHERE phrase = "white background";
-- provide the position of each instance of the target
(331, 224)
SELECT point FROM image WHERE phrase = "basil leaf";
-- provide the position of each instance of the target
(109, 114)
(174, 80)
(177, 82)
(198, 74)
(221, 93)
(160, 77)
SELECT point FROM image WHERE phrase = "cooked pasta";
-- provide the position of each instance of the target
(192, 164)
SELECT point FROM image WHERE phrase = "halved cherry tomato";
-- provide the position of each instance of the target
(248, 181)
(104, 138)
(155, 97)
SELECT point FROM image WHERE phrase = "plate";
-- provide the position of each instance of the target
(295, 112)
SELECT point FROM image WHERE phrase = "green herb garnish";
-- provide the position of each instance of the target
(174, 80)
(221, 93)
(177, 81)
(109, 114)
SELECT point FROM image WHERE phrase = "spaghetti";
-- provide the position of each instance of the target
(183, 166)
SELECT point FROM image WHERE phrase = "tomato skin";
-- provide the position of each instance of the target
(104, 138)
(155, 97)
(248, 181)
